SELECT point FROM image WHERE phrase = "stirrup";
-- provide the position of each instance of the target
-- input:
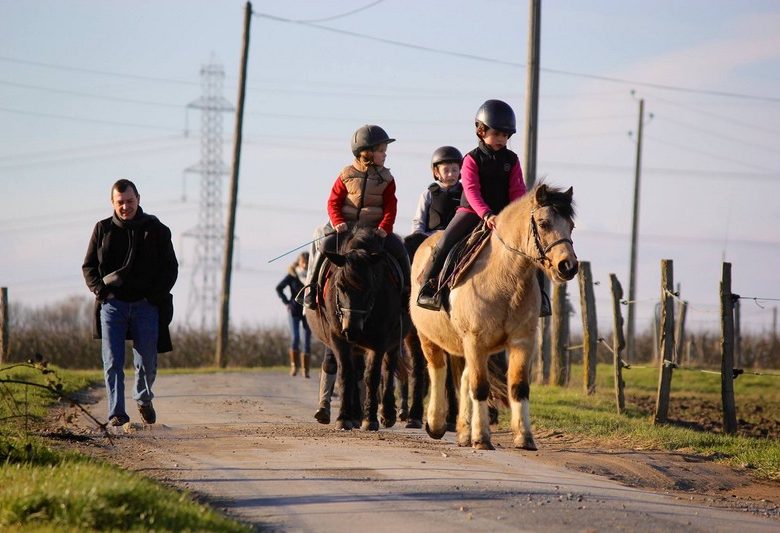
(429, 298)
(307, 298)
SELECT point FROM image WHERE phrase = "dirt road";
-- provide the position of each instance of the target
(247, 442)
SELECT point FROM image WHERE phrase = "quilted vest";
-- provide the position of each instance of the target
(364, 202)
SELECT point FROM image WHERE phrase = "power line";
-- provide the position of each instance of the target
(716, 115)
(710, 154)
(714, 134)
(91, 120)
(484, 59)
(88, 95)
(342, 15)
(95, 71)
(72, 149)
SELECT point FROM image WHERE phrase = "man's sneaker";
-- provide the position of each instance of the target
(118, 420)
(147, 413)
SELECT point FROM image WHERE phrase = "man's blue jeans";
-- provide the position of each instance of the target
(117, 318)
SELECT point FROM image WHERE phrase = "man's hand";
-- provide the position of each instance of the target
(381, 233)
(341, 228)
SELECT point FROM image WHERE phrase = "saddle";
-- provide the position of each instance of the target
(459, 260)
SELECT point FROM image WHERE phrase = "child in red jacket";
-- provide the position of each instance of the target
(362, 195)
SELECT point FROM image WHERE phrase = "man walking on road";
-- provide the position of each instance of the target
(131, 268)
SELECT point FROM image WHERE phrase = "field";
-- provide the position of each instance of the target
(694, 416)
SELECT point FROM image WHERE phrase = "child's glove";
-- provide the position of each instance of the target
(381, 233)
(340, 228)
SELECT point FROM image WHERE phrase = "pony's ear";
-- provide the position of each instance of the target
(337, 259)
(569, 193)
(541, 194)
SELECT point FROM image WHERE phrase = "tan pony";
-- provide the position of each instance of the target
(494, 307)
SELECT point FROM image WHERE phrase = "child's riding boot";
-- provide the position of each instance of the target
(306, 364)
(294, 364)
(327, 382)
(545, 309)
(429, 296)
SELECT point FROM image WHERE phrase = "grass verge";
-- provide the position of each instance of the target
(569, 411)
(45, 489)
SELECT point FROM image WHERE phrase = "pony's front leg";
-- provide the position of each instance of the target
(521, 353)
(347, 380)
(389, 365)
(479, 390)
(372, 377)
(435, 425)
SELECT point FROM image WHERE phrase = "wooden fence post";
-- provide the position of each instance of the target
(679, 335)
(656, 335)
(727, 352)
(558, 339)
(737, 335)
(590, 333)
(3, 324)
(543, 351)
(667, 342)
(618, 343)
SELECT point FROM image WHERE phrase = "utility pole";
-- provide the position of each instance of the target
(630, 342)
(532, 90)
(531, 131)
(220, 357)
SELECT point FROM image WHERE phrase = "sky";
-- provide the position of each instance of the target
(91, 91)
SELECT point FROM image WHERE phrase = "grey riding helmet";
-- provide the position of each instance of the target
(368, 136)
(446, 154)
(497, 115)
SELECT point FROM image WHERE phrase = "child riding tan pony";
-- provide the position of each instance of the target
(495, 306)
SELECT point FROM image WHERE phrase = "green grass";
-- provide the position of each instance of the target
(570, 412)
(49, 490)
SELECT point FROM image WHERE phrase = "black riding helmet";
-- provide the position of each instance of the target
(446, 154)
(368, 136)
(497, 115)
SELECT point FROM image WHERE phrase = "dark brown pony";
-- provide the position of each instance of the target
(361, 315)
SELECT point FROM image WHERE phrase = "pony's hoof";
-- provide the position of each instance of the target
(345, 425)
(484, 445)
(463, 443)
(403, 414)
(370, 425)
(414, 423)
(434, 434)
(387, 421)
(322, 415)
(525, 443)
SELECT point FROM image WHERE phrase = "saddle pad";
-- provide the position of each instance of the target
(462, 256)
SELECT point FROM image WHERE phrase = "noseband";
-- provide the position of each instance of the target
(540, 247)
(341, 311)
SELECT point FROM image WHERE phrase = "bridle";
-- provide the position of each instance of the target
(341, 311)
(540, 247)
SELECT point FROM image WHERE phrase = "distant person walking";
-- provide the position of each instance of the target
(131, 268)
(293, 281)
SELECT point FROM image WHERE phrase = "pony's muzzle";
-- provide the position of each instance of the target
(351, 327)
(568, 268)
